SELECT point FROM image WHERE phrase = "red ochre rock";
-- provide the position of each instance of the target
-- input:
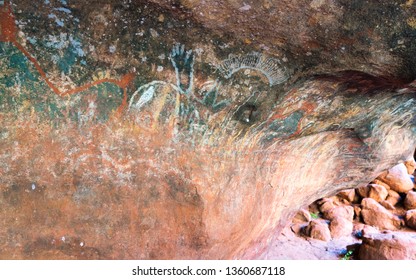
(398, 179)
(410, 219)
(410, 166)
(8, 27)
(410, 200)
(131, 193)
(318, 229)
(387, 246)
(376, 215)
(153, 183)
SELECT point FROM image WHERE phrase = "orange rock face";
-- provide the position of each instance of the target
(388, 247)
(8, 28)
(119, 143)
(119, 191)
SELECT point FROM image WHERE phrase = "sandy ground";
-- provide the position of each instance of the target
(289, 246)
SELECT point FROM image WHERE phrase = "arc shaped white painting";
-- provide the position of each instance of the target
(268, 66)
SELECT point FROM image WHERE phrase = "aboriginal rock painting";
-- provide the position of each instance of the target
(125, 137)
(66, 73)
(48, 73)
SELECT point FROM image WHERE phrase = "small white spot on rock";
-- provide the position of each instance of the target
(112, 49)
(63, 238)
(154, 33)
(244, 8)
(33, 186)
(199, 51)
(159, 68)
(81, 244)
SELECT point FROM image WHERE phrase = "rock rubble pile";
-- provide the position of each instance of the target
(381, 215)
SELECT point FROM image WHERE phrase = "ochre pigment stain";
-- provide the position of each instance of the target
(162, 182)
(8, 29)
(8, 32)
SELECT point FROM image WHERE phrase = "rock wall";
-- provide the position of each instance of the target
(191, 130)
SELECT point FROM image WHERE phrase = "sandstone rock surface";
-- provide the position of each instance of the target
(410, 166)
(343, 211)
(340, 227)
(302, 216)
(398, 179)
(121, 132)
(410, 219)
(377, 192)
(388, 247)
(348, 195)
(374, 191)
(393, 197)
(318, 229)
(410, 200)
(376, 215)
(381, 183)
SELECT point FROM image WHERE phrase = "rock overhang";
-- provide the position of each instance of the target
(200, 126)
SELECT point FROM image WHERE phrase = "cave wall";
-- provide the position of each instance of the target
(192, 129)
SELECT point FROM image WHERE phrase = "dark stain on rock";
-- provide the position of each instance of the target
(355, 82)
(12, 195)
(182, 191)
(247, 114)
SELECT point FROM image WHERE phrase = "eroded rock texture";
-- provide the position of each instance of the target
(192, 129)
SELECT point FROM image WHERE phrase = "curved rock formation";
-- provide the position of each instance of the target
(120, 142)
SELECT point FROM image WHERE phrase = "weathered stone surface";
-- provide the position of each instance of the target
(329, 29)
(360, 230)
(340, 227)
(357, 211)
(388, 247)
(298, 228)
(368, 230)
(343, 211)
(326, 204)
(377, 192)
(393, 198)
(397, 178)
(124, 137)
(302, 216)
(410, 166)
(387, 205)
(348, 195)
(410, 219)
(374, 191)
(410, 200)
(381, 183)
(376, 215)
(318, 229)
(363, 191)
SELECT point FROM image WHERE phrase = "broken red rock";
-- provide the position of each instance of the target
(318, 229)
(397, 178)
(169, 192)
(410, 166)
(410, 219)
(340, 227)
(410, 200)
(390, 246)
(376, 215)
